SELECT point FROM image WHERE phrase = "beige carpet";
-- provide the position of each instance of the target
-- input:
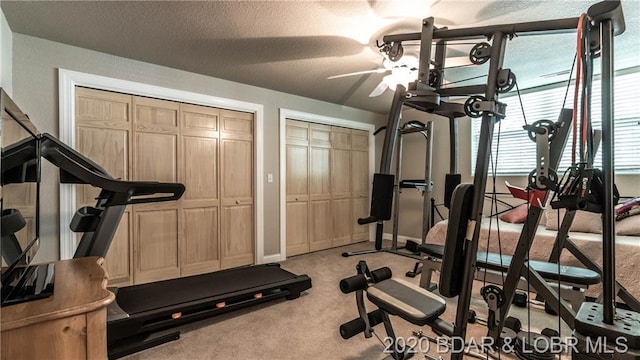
(307, 328)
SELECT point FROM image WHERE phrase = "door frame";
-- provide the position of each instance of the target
(324, 120)
(67, 82)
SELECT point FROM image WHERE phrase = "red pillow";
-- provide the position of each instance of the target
(517, 215)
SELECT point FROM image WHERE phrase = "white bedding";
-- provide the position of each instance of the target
(627, 248)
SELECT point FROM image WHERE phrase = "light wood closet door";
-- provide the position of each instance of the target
(103, 134)
(156, 226)
(360, 182)
(320, 219)
(341, 185)
(297, 182)
(237, 214)
(199, 245)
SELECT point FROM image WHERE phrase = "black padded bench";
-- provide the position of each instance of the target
(574, 279)
(408, 301)
(392, 296)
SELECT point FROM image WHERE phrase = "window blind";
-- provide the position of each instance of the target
(516, 154)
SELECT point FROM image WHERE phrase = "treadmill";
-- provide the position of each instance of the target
(142, 314)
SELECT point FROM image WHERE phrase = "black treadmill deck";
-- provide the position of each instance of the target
(169, 293)
(163, 305)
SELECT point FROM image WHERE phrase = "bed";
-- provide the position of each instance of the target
(586, 233)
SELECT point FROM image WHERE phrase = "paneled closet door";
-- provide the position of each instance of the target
(103, 134)
(237, 184)
(297, 183)
(320, 218)
(156, 226)
(200, 218)
(360, 182)
(340, 162)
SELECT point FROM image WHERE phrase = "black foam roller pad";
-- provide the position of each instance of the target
(381, 274)
(351, 284)
(356, 326)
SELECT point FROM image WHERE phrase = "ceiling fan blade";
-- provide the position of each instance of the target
(380, 89)
(375, 71)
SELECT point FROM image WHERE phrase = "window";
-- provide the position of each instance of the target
(517, 152)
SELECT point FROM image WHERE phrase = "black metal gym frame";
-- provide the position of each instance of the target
(424, 97)
(603, 319)
(591, 319)
(562, 241)
(426, 130)
(452, 179)
(425, 186)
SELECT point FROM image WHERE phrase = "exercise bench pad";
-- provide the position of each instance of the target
(411, 302)
(549, 271)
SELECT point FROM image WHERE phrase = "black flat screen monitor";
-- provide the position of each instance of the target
(20, 207)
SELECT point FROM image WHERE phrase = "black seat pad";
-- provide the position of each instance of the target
(411, 302)
(549, 271)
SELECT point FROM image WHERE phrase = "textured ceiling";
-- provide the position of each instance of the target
(293, 46)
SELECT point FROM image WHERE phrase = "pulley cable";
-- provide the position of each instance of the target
(566, 92)
(576, 94)
(494, 203)
(524, 116)
(467, 79)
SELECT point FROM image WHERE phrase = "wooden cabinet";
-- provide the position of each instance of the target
(236, 179)
(155, 158)
(360, 180)
(70, 324)
(321, 221)
(297, 182)
(200, 224)
(325, 189)
(103, 134)
(341, 185)
(209, 150)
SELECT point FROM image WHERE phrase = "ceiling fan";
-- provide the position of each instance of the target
(401, 71)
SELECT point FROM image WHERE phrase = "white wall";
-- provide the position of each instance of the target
(36, 92)
(6, 54)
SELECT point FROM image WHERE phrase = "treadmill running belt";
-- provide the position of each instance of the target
(147, 297)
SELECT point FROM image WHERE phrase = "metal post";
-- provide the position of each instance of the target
(387, 147)
(426, 38)
(392, 130)
(428, 183)
(397, 192)
(608, 226)
(453, 145)
(479, 185)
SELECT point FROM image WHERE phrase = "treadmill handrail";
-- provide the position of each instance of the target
(70, 161)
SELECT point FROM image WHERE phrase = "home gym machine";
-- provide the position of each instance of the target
(452, 179)
(491, 267)
(425, 186)
(394, 296)
(387, 186)
(144, 316)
